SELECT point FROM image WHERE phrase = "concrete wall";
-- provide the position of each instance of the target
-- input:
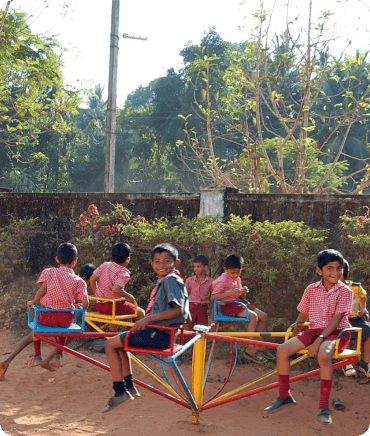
(317, 211)
(59, 212)
(55, 210)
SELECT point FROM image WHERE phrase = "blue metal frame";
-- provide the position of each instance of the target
(40, 328)
(218, 316)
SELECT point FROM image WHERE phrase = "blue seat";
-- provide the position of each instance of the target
(218, 316)
(34, 325)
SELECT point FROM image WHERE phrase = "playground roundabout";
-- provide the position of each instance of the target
(34, 401)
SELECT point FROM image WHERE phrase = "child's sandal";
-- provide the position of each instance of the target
(35, 361)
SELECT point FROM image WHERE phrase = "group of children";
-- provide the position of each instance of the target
(326, 304)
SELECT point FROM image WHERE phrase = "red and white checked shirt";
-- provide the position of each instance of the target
(225, 283)
(321, 305)
(110, 274)
(64, 288)
(199, 292)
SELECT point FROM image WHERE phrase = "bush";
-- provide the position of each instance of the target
(279, 258)
(356, 229)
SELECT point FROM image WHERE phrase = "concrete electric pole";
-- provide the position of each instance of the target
(110, 143)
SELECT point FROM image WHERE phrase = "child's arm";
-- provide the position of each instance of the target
(302, 317)
(313, 349)
(174, 312)
(84, 303)
(93, 280)
(119, 292)
(39, 294)
(223, 295)
(363, 306)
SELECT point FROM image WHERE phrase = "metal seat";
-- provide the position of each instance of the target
(219, 316)
(35, 326)
(96, 317)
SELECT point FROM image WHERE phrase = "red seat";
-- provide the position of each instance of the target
(173, 349)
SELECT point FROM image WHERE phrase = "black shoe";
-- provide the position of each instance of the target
(324, 416)
(365, 369)
(116, 402)
(278, 403)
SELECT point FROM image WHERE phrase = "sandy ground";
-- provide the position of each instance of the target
(36, 402)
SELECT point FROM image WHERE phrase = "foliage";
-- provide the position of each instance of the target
(294, 115)
(143, 160)
(279, 258)
(357, 230)
(33, 104)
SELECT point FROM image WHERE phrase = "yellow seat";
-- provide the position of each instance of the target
(346, 353)
(96, 317)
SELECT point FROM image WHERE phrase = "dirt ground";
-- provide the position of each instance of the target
(36, 402)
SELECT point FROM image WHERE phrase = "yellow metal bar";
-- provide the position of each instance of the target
(94, 326)
(154, 375)
(346, 353)
(199, 357)
(258, 380)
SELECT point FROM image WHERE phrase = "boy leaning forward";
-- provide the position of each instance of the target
(326, 305)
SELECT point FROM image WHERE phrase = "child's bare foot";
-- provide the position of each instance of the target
(46, 365)
(56, 361)
(3, 368)
(35, 361)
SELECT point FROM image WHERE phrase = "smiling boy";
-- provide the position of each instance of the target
(168, 306)
(326, 305)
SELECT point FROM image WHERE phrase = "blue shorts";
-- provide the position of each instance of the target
(360, 321)
(148, 338)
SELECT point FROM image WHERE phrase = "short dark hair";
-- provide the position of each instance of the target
(66, 253)
(327, 256)
(160, 248)
(233, 261)
(345, 268)
(120, 252)
(87, 271)
(201, 259)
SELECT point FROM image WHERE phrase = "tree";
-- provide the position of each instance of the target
(292, 112)
(88, 139)
(33, 101)
(143, 162)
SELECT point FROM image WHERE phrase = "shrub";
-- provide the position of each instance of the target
(279, 258)
(356, 229)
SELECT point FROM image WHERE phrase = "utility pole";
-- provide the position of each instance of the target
(110, 143)
(133, 37)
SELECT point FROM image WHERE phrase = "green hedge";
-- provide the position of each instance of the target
(279, 257)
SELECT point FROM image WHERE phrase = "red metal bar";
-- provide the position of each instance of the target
(43, 337)
(228, 377)
(276, 384)
(73, 352)
(241, 340)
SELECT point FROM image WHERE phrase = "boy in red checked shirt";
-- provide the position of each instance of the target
(326, 305)
(60, 288)
(113, 277)
(199, 289)
(228, 287)
(85, 273)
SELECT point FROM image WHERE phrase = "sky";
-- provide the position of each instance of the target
(169, 25)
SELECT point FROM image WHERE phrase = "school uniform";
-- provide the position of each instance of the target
(110, 274)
